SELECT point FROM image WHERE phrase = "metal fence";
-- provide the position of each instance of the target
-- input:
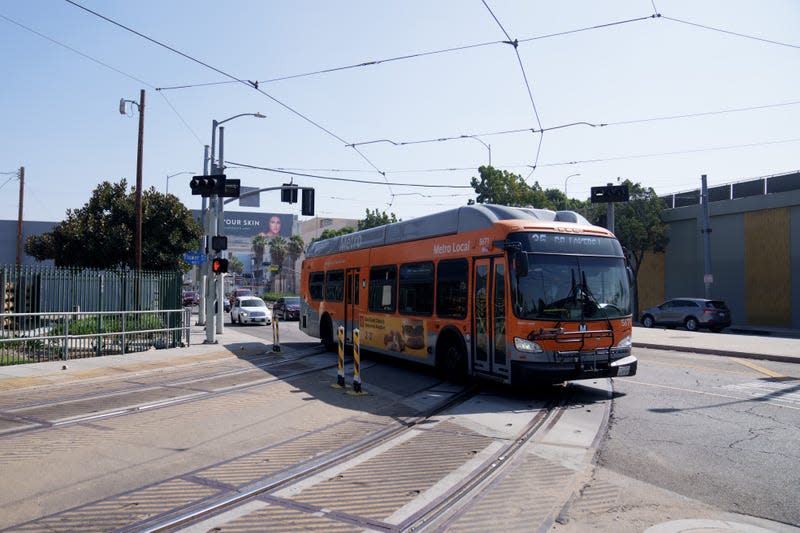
(52, 313)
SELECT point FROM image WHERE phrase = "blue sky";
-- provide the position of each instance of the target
(729, 69)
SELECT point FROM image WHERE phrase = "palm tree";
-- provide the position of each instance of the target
(295, 249)
(277, 251)
(259, 246)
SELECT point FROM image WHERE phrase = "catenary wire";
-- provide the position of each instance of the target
(350, 180)
(246, 83)
(728, 32)
(73, 50)
(105, 65)
(376, 62)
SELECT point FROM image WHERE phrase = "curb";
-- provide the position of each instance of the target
(725, 353)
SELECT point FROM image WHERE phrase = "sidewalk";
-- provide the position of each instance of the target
(766, 347)
(233, 342)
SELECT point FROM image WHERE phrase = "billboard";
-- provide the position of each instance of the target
(241, 227)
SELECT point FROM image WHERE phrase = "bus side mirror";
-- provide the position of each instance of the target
(521, 264)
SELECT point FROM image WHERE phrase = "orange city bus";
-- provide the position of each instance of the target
(514, 295)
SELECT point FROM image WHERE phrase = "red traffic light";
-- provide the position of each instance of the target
(219, 265)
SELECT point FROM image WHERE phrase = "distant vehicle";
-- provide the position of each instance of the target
(239, 292)
(288, 308)
(691, 313)
(191, 298)
(250, 310)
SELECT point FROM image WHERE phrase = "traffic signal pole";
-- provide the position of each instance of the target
(202, 269)
(220, 278)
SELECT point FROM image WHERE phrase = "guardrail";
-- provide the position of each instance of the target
(60, 336)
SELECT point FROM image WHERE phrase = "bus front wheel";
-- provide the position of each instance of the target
(452, 362)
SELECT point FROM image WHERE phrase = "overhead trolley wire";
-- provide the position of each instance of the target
(515, 44)
(351, 180)
(372, 63)
(247, 83)
(728, 32)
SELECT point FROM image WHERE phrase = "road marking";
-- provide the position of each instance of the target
(791, 399)
(758, 368)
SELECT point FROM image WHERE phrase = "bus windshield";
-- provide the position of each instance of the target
(571, 287)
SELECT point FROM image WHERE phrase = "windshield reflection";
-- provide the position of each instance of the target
(561, 287)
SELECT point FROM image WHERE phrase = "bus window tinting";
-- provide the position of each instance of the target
(316, 285)
(416, 288)
(451, 289)
(382, 281)
(334, 285)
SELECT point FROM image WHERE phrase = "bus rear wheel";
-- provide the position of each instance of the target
(326, 335)
(451, 362)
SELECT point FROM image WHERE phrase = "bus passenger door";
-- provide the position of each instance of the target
(350, 303)
(489, 316)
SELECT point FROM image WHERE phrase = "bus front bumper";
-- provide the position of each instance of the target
(557, 372)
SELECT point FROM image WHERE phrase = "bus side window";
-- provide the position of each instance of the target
(416, 288)
(382, 288)
(334, 285)
(451, 288)
(316, 285)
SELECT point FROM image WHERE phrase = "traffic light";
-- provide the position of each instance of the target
(289, 193)
(208, 185)
(607, 194)
(307, 207)
(219, 265)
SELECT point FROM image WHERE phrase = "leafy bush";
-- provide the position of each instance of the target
(110, 324)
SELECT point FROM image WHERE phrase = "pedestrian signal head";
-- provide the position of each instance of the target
(219, 265)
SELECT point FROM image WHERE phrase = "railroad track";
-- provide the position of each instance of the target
(60, 407)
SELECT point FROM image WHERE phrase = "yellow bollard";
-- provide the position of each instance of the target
(276, 336)
(340, 371)
(357, 363)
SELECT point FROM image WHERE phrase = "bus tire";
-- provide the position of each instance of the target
(326, 335)
(451, 361)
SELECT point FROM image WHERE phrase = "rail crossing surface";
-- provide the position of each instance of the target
(395, 459)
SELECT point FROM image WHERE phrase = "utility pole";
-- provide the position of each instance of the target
(708, 277)
(139, 183)
(19, 216)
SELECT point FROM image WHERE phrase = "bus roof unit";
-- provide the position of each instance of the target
(460, 219)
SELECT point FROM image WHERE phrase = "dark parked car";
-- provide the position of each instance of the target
(191, 298)
(692, 313)
(287, 308)
(241, 291)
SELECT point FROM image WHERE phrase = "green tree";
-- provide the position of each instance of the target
(506, 188)
(330, 233)
(637, 225)
(101, 234)
(294, 249)
(375, 219)
(259, 246)
(235, 265)
(278, 249)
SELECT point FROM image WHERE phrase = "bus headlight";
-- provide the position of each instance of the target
(625, 343)
(524, 345)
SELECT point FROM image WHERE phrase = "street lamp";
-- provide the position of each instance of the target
(177, 174)
(138, 204)
(566, 180)
(488, 146)
(214, 125)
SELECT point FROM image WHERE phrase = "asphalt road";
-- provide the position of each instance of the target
(721, 431)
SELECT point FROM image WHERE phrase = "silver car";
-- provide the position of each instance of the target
(691, 313)
(250, 310)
